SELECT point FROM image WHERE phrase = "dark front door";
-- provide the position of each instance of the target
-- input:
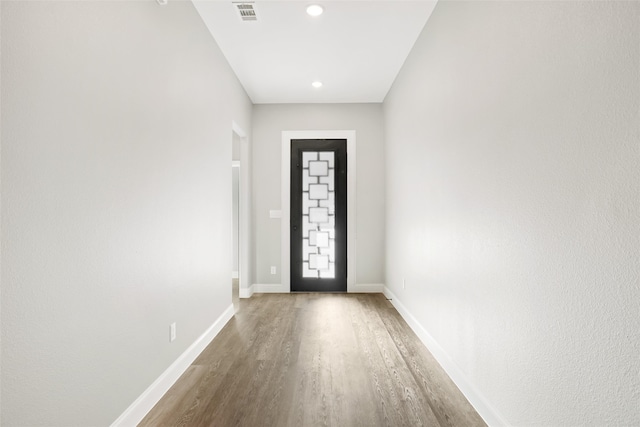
(319, 215)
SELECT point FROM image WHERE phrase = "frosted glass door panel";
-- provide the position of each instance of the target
(318, 214)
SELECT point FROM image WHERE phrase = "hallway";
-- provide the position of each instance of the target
(495, 177)
(310, 360)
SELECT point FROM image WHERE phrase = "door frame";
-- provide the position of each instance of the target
(285, 246)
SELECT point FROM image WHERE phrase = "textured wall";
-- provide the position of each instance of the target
(513, 203)
(116, 201)
(268, 123)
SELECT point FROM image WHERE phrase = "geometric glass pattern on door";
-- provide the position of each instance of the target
(318, 214)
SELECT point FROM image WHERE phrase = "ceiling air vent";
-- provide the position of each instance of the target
(247, 11)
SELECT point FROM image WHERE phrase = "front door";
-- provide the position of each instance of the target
(318, 215)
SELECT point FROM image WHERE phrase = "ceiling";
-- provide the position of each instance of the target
(355, 48)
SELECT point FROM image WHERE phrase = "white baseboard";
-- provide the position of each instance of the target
(246, 293)
(281, 289)
(148, 399)
(481, 405)
(270, 289)
(375, 288)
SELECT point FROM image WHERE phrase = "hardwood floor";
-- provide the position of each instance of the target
(314, 360)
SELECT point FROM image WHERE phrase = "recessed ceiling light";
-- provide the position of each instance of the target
(316, 84)
(315, 10)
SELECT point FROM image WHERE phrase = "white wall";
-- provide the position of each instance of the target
(269, 120)
(513, 204)
(116, 201)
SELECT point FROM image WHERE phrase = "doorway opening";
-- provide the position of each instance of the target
(240, 198)
(235, 212)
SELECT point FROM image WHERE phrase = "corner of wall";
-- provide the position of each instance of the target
(488, 413)
(152, 395)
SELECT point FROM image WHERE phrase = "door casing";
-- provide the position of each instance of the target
(285, 246)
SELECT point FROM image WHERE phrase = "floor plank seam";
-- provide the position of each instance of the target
(307, 360)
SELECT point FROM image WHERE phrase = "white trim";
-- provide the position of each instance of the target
(235, 275)
(481, 405)
(374, 288)
(270, 288)
(238, 130)
(287, 136)
(148, 399)
(246, 292)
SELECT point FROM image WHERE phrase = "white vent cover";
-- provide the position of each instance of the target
(247, 11)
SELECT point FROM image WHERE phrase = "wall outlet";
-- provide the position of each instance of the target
(273, 269)
(172, 332)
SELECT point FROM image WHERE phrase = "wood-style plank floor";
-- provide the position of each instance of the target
(314, 360)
